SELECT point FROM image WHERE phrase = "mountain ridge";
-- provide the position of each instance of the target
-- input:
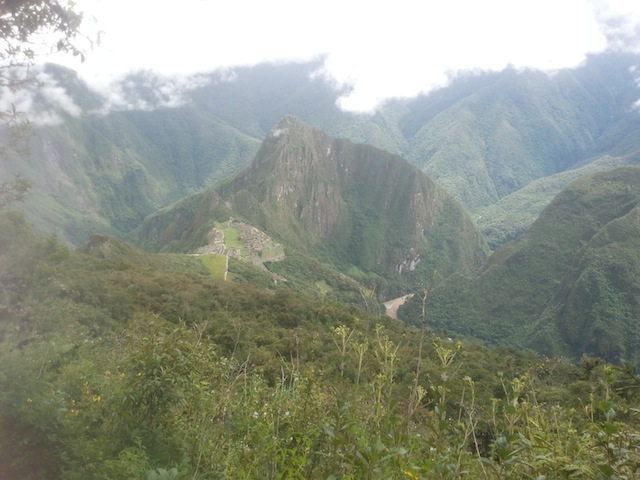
(565, 287)
(344, 203)
(483, 137)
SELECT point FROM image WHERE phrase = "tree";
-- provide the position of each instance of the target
(28, 28)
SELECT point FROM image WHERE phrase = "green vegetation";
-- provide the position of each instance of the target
(116, 364)
(231, 238)
(349, 206)
(568, 286)
(323, 287)
(217, 264)
(513, 215)
(484, 138)
(305, 275)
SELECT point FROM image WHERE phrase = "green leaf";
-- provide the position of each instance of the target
(611, 428)
(606, 469)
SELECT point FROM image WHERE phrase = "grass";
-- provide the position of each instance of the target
(271, 251)
(217, 264)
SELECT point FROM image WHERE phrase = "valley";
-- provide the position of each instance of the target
(254, 283)
(325, 202)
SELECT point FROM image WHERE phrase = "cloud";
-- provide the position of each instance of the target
(44, 104)
(460, 37)
(388, 49)
(56, 96)
(620, 23)
(146, 90)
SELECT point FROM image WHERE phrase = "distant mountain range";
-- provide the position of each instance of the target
(362, 208)
(501, 143)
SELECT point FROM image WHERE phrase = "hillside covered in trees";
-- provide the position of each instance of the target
(568, 286)
(122, 364)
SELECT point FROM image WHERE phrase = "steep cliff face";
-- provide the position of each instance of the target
(349, 204)
(368, 207)
(295, 180)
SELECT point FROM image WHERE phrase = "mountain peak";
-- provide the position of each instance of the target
(351, 204)
(287, 122)
(289, 126)
(295, 175)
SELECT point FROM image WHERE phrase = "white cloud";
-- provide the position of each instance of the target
(146, 90)
(44, 105)
(381, 49)
(56, 96)
(620, 22)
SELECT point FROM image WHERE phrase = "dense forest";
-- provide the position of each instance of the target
(569, 286)
(122, 364)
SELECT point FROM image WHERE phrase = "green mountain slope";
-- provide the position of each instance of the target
(363, 210)
(521, 126)
(116, 363)
(484, 137)
(568, 286)
(107, 172)
(512, 215)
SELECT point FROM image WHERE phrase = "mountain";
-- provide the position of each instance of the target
(512, 215)
(367, 212)
(521, 126)
(260, 351)
(105, 172)
(114, 158)
(568, 286)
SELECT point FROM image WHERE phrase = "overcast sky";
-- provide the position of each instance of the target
(383, 49)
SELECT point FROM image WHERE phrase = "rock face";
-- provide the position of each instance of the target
(295, 178)
(372, 207)
(351, 205)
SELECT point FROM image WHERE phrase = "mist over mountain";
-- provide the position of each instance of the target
(270, 272)
(502, 144)
(242, 240)
(484, 138)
